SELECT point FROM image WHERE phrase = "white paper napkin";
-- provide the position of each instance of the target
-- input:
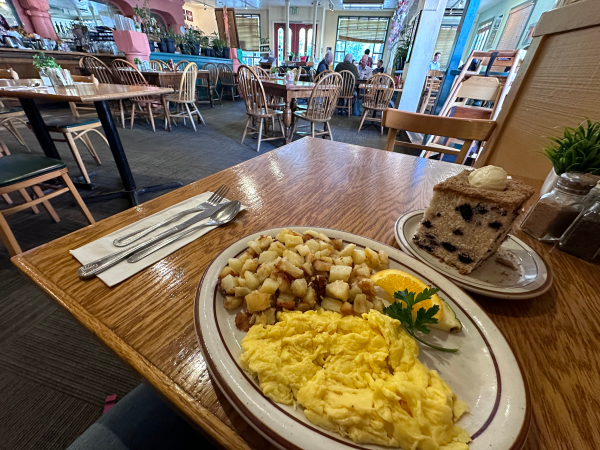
(104, 246)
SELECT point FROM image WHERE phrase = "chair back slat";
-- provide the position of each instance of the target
(128, 73)
(181, 65)
(262, 73)
(378, 91)
(324, 97)
(226, 75)
(158, 65)
(8, 74)
(187, 86)
(348, 84)
(101, 71)
(322, 74)
(251, 89)
(213, 73)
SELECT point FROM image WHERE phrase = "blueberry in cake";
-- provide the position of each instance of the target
(470, 215)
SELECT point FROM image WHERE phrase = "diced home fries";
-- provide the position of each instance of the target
(299, 272)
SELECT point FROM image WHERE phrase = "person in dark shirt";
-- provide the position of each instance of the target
(347, 65)
(379, 68)
(325, 62)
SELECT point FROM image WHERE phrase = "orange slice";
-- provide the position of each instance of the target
(392, 280)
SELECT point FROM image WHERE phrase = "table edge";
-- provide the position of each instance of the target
(210, 423)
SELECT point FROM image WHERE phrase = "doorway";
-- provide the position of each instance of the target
(301, 38)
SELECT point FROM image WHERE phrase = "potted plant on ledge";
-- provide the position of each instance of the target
(578, 150)
(192, 41)
(169, 41)
(217, 45)
(206, 51)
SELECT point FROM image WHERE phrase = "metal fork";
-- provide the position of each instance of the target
(214, 200)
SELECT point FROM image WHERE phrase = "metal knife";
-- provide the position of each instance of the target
(100, 265)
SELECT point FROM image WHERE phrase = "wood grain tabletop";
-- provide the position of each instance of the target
(78, 93)
(148, 319)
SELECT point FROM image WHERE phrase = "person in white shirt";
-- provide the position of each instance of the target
(364, 71)
(435, 63)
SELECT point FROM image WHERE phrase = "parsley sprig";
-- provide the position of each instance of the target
(398, 311)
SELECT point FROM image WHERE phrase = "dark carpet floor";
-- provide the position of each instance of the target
(54, 376)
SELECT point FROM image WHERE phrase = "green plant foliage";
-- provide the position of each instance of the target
(41, 61)
(578, 150)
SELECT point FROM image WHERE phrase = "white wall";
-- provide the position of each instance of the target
(205, 19)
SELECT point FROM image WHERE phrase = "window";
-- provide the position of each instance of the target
(10, 14)
(444, 43)
(483, 32)
(301, 41)
(517, 20)
(289, 42)
(280, 53)
(357, 34)
(248, 28)
(309, 42)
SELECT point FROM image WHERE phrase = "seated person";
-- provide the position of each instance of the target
(379, 68)
(364, 71)
(347, 65)
(325, 62)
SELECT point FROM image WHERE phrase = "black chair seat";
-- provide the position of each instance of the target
(10, 111)
(17, 168)
(70, 122)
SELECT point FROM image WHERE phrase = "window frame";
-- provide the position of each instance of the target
(252, 58)
(485, 39)
(375, 56)
(520, 38)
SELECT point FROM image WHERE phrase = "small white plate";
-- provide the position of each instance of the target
(532, 278)
(485, 373)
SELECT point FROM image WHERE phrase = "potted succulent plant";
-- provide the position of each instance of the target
(578, 150)
(138, 63)
(217, 45)
(169, 41)
(192, 41)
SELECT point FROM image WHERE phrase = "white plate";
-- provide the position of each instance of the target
(485, 373)
(532, 278)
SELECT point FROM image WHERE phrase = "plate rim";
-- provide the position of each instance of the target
(473, 288)
(270, 434)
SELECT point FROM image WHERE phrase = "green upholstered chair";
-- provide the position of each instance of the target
(18, 172)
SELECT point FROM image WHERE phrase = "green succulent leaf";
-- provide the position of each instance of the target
(577, 151)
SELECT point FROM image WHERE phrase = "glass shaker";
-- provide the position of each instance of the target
(555, 211)
(582, 238)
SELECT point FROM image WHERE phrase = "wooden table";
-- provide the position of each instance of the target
(148, 320)
(289, 92)
(99, 94)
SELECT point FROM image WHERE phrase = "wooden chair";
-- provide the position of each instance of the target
(257, 107)
(131, 76)
(262, 73)
(433, 80)
(76, 108)
(181, 65)
(185, 97)
(104, 74)
(464, 129)
(8, 116)
(227, 78)
(486, 89)
(211, 84)
(321, 75)
(377, 95)
(348, 89)
(158, 65)
(18, 172)
(312, 72)
(321, 104)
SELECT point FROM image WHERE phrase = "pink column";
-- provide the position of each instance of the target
(133, 43)
(37, 10)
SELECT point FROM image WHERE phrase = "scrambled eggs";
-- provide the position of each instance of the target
(359, 377)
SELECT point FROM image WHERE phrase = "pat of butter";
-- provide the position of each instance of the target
(489, 177)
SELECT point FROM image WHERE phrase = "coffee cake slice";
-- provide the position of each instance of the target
(464, 225)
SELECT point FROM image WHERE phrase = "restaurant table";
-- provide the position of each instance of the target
(148, 320)
(99, 94)
(289, 92)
